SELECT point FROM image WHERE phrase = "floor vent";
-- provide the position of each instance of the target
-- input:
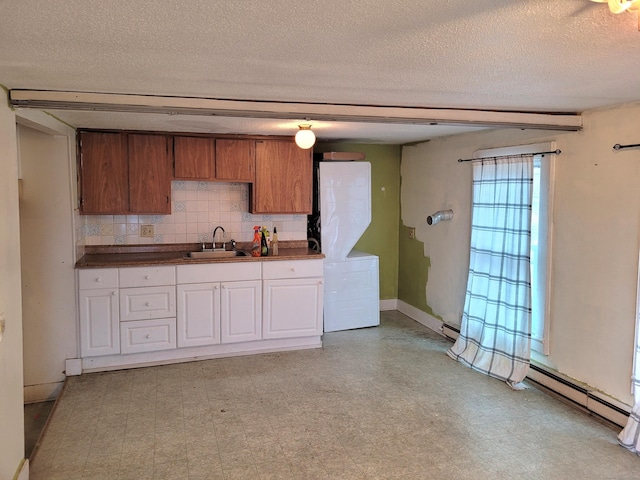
(576, 393)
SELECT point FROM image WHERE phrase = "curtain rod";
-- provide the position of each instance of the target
(556, 152)
(617, 146)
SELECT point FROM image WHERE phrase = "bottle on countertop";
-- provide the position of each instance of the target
(256, 245)
(263, 243)
(274, 242)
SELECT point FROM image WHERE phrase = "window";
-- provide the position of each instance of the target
(541, 235)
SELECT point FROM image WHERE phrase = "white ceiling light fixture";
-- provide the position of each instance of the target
(619, 6)
(305, 138)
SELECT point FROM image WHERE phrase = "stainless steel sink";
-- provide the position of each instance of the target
(216, 254)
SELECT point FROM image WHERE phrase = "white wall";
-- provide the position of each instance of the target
(47, 257)
(11, 409)
(596, 237)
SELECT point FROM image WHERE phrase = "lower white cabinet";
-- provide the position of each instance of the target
(241, 311)
(98, 309)
(198, 314)
(99, 322)
(224, 308)
(293, 296)
(217, 306)
(147, 302)
(148, 335)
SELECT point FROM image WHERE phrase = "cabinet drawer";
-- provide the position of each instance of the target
(97, 278)
(148, 335)
(221, 272)
(292, 269)
(151, 302)
(147, 276)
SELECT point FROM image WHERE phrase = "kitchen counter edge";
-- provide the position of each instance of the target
(173, 255)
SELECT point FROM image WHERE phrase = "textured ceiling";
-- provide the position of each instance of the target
(521, 55)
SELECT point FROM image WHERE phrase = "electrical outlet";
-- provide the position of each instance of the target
(146, 230)
(412, 233)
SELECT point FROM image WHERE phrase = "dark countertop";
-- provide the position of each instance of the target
(175, 254)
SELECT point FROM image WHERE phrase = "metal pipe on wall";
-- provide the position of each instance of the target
(439, 216)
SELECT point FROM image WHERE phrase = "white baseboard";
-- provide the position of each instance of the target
(192, 354)
(73, 367)
(42, 392)
(23, 471)
(421, 317)
(386, 305)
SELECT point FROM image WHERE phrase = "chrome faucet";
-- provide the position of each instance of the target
(215, 230)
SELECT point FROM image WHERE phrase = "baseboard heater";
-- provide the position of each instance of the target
(578, 394)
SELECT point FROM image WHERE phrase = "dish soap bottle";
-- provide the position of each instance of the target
(255, 247)
(274, 242)
(263, 243)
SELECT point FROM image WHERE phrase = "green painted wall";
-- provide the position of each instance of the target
(381, 238)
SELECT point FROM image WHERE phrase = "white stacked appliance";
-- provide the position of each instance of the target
(351, 292)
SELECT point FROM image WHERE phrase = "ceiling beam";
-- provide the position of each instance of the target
(60, 100)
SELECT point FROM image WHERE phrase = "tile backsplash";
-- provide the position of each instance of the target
(196, 209)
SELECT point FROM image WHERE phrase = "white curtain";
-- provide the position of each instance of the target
(630, 437)
(495, 335)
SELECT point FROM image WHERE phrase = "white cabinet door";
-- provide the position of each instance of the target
(292, 307)
(99, 322)
(240, 311)
(198, 319)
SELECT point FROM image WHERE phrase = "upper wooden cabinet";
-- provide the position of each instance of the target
(131, 172)
(235, 160)
(104, 173)
(210, 159)
(149, 174)
(283, 181)
(193, 158)
(124, 173)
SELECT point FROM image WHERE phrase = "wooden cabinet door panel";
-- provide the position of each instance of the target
(104, 173)
(283, 178)
(149, 174)
(193, 158)
(235, 160)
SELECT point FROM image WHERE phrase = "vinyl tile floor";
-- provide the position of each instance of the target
(35, 419)
(376, 403)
